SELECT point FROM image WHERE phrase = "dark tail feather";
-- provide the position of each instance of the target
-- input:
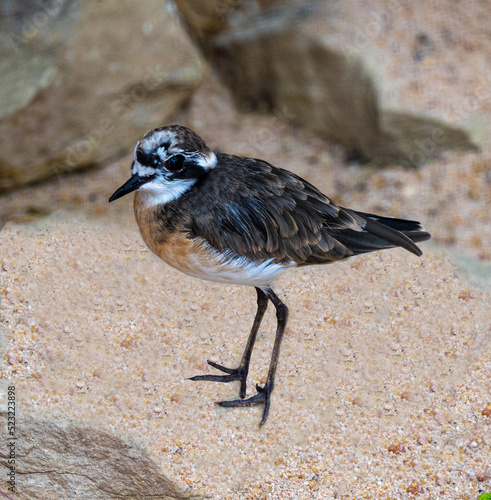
(391, 236)
(399, 224)
(386, 232)
(417, 236)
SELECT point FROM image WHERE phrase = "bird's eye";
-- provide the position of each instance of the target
(175, 163)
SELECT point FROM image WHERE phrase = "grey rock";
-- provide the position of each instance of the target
(291, 58)
(81, 81)
(56, 459)
(31, 43)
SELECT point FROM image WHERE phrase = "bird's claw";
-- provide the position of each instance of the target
(231, 371)
(233, 375)
(263, 396)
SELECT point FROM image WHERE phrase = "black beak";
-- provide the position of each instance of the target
(131, 185)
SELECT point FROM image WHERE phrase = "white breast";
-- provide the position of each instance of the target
(232, 269)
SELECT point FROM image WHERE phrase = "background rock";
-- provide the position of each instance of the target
(293, 58)
(32, 43)
(81, 81)
(59, 459)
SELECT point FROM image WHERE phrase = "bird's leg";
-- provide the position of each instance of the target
(241, 372)
(264, 393)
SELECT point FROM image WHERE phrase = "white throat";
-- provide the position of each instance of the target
(161, 191)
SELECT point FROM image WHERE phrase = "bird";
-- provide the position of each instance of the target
(238, 220)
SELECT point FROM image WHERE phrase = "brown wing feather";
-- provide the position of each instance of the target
(262, 212)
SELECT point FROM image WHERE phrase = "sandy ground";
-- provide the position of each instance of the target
(383, 388)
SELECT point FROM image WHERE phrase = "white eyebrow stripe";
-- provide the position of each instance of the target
(142, 171)
(155, 139)
(207, 161)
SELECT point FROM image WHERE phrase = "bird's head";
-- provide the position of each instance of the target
(166, 163)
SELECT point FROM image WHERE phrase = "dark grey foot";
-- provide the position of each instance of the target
(263, 396)
(233, 375)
